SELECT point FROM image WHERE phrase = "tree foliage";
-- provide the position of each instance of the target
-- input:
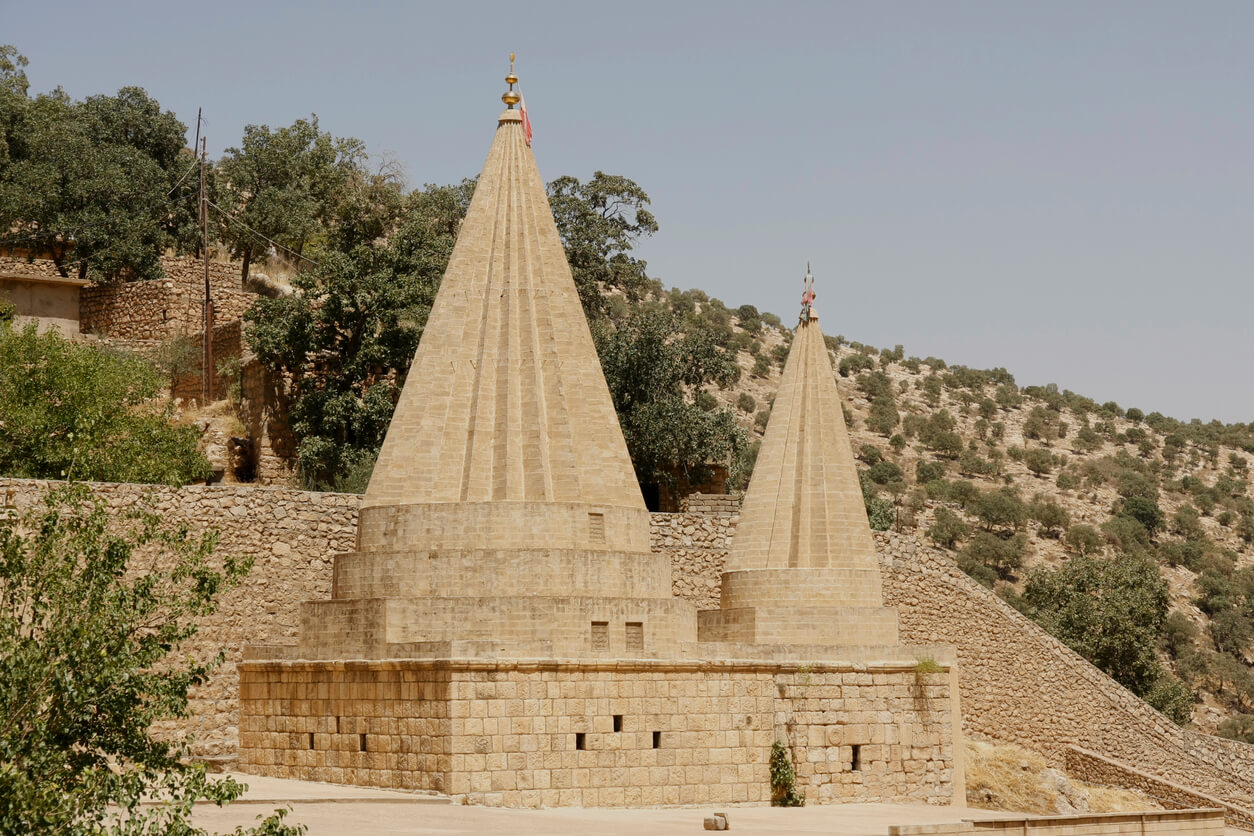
(70, 410)
(86, 669)
(654, 368)
(346, 338)
(92, 183)
(600, 222)
(1110, 611)
(284, 184)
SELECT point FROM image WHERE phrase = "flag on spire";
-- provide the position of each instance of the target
(526, 120)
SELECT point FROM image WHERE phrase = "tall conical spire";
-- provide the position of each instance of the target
(803, 541)
(505, 400)
(503, 510)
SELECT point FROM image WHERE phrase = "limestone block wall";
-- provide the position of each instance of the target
(697, 545)
(1091, 767)
(616, 734)
(1018, 684)
(228, 344)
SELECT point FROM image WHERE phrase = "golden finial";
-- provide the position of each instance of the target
(510, 97)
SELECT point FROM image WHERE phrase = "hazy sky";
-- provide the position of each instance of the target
(1062, 188)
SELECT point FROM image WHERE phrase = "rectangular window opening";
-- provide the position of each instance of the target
(362, 742)
(596, 527)
(337, 725)
(856, 766)
(311, 734)
(657, 740)
(618, 722)
(580, 741)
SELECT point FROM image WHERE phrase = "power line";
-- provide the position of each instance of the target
(265, 238)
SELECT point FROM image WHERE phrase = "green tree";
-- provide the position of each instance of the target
(948, 528)
(600, 222)
(73, 410)
(89, 183)
(285, 185)
(1111, 612)
(654, 367)
(1053, 518)
(87, 666)
(1084, 539)
(346, 338)
(1003, 555)
(1000, 509)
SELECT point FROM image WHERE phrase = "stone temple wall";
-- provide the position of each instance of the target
(1018, 684)
(619, 733)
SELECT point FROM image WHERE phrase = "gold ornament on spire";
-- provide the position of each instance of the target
(510, 96)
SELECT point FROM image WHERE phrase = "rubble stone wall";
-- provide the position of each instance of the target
(162, 308)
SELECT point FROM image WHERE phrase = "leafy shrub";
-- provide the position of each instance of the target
(1000, 509)
(1001, 554)
(885, 472)
(1145, 511)
(784, 779)
(1039, 461)
(928, 471)
(854, 363)
(746, 402)
(70, 410)
(749, 318)
(948, 528)
(870, 454)
(1084, 539)
(1238, 727)
(1111, 612)
(971, 463)
(762, 419)
(1052, 517)
(883, 416)
(96, 603)
(761, 366)
(1067, 480)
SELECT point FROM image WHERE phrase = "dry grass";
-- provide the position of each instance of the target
(1008, 777)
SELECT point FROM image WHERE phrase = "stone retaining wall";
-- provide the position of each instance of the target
(162, 308)
(1093, 768)
(1018, 684)
(1176, 823)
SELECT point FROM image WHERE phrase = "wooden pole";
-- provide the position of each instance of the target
(206, 375)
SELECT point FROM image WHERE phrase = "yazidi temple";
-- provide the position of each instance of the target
(503, 633)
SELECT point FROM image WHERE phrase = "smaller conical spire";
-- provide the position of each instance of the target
(510, 96)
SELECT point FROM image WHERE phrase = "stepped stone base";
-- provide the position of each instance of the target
(793, 625)
(615, 733)
(564, 626)
(449, 572)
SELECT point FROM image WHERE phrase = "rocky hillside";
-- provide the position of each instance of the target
(1017, 480)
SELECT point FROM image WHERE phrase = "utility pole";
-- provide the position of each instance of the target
(206, 375)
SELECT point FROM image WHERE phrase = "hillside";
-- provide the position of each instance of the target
(1089, 478)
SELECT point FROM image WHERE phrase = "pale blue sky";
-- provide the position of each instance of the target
(1062, 188)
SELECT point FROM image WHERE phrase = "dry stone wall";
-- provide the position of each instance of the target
(162, 308)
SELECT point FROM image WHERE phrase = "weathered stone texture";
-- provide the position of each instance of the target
(163, 308)
(1018, 684)
(619, 734)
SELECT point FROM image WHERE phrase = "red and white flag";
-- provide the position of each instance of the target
(526, 120)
